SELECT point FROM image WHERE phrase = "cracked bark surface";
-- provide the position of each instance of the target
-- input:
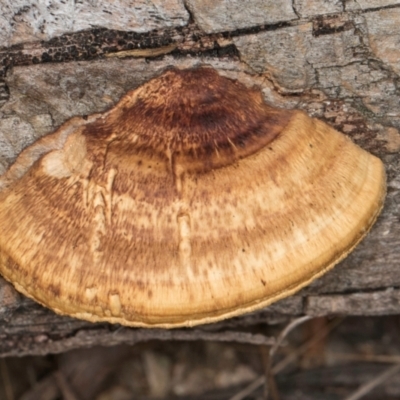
(338, 61)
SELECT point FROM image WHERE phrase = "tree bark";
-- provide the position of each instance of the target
(339, 61)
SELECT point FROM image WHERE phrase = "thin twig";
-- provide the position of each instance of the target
(270, 376)
(64, 386)
(369, 386)
(262, 380)
(303, 348)
(249, 389)
(289, 327)
(270, 386)
(378, 358)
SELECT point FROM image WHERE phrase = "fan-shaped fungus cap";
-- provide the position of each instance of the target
(188, 202)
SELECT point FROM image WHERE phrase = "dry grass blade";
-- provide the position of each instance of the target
(368, 387)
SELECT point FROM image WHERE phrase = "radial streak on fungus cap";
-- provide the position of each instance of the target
(188, 202)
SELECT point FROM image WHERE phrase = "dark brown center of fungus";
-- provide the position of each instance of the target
(194, 118)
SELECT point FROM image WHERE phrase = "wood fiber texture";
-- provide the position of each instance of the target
(338, 71)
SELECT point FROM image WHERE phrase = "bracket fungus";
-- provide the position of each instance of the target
(190, 201)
